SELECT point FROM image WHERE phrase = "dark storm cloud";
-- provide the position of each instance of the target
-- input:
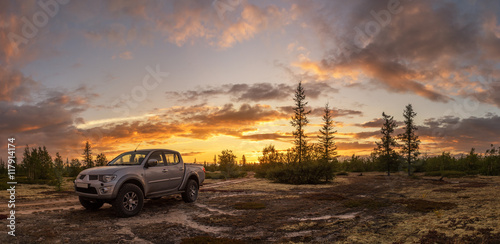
(375, 123)
(49, 122)
(463, 134)
(245, 114)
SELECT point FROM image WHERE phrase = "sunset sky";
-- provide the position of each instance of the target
(203, 76)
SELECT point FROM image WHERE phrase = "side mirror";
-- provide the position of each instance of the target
(151, 163)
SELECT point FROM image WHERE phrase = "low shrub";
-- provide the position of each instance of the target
(304, 173)
(4, 185)
(214, 175)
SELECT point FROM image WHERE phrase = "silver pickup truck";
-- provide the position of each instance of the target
(133, 176)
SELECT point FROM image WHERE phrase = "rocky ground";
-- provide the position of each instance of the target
(371, 208)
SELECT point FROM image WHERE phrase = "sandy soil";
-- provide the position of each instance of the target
(371, 208)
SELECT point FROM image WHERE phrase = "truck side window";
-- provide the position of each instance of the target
(171, 158)
(158, 156)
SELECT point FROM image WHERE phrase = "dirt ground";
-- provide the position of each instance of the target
(371, 208)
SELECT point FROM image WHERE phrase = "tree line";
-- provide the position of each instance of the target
(38, 166)
(316, 162)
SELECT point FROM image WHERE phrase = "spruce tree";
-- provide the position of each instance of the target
(327, 144)
(385, 148)
(87, 155)
(299, 121)
(409, 138)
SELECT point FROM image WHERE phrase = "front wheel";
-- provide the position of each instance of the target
(129, 201)
(91, 204)
(191, 193)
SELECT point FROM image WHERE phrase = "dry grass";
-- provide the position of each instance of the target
(28, 192)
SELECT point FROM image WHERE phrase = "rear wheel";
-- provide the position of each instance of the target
(91, 204)
(129, 201)
(191, 193)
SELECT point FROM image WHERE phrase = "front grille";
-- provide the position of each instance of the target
(81, 177)
(93, 177)
(90, 190)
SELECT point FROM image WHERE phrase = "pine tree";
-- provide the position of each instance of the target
(58, 171)
(326, 138)
(243, 161)
(101, 159)
(299, 121)
(28, 163)
(409, 138)
(45, 163)
(58, 162)
(385, 148)
(87, 155)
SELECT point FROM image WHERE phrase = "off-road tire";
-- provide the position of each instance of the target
(129, 201)
(91, 204)
(191, 193)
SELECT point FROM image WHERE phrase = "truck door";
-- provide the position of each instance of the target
(175, 170)
(157, 176)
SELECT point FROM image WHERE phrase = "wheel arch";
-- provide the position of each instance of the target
(131, 180)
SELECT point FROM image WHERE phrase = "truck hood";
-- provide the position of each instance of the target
(104, 170)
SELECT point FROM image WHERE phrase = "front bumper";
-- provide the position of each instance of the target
(94, 188)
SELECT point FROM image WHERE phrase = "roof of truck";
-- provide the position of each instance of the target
(154, 149)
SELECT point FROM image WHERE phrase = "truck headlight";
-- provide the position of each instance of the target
(106, 178)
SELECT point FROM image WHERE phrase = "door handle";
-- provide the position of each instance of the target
(164, 171)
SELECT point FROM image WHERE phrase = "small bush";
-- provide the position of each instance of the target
(214, 175)
(4, 185)
(342, 173)
(304, 173)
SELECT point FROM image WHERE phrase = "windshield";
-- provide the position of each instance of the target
(129, 158)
